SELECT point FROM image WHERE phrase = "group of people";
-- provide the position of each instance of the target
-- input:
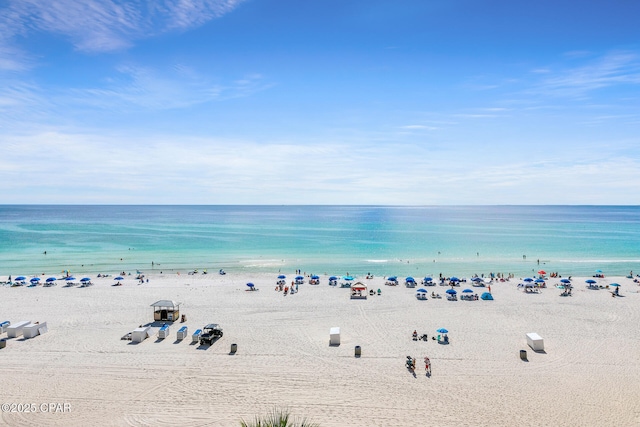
(281, 287)
(411, 364)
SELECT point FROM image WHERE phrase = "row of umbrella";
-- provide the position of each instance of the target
(53, 279)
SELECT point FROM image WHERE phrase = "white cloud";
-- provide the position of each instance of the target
(90, 168)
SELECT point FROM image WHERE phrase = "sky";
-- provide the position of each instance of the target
(405, 102)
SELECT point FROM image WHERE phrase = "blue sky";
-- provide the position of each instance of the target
(412, 102)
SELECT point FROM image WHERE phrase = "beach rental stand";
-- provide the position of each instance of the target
(15, 330)
(196, 336)
(166, 310)
(140, 334)
(334, 336)
(535, 341)
(34, 329)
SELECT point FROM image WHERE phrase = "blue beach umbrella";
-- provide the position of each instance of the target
(299, 277)
(118, 278)
(85, 279)
(442, 331)
(422, 290)
(565, 280)
(428, 279)
(528, 279)
(35, 279)
(315, 277)
(590, 281)
(333, 278)
(251, 285)
(68, 279)
(392, 278)
(20, 278)
(598, 271)
(539, 280)
(51, 279)
(410, 279)
(282, 276)
(347, 278)
(451, 291)
(614, 284)
(454, 279)
(466, 291)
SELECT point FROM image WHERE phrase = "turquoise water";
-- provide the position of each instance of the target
(418, 241)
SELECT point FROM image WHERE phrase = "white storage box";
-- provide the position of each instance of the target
(15, 330)
(334, 336)
(535, 341)
(140, 334)
(34, 329)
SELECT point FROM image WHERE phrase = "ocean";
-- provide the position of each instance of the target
(336, 240)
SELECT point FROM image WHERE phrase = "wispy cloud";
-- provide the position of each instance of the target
(613, 69)
(129, 88)
(418, 127)
(179, 87)
(100, 25)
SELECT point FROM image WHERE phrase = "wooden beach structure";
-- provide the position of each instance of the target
(166, 310)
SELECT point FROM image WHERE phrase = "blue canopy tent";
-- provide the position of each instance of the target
(487, 296)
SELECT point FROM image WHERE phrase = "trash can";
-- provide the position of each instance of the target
(3, 343)
(358, 351)
(234, 348)
(523, 354)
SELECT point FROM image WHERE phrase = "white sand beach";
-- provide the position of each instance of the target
(588, 375)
